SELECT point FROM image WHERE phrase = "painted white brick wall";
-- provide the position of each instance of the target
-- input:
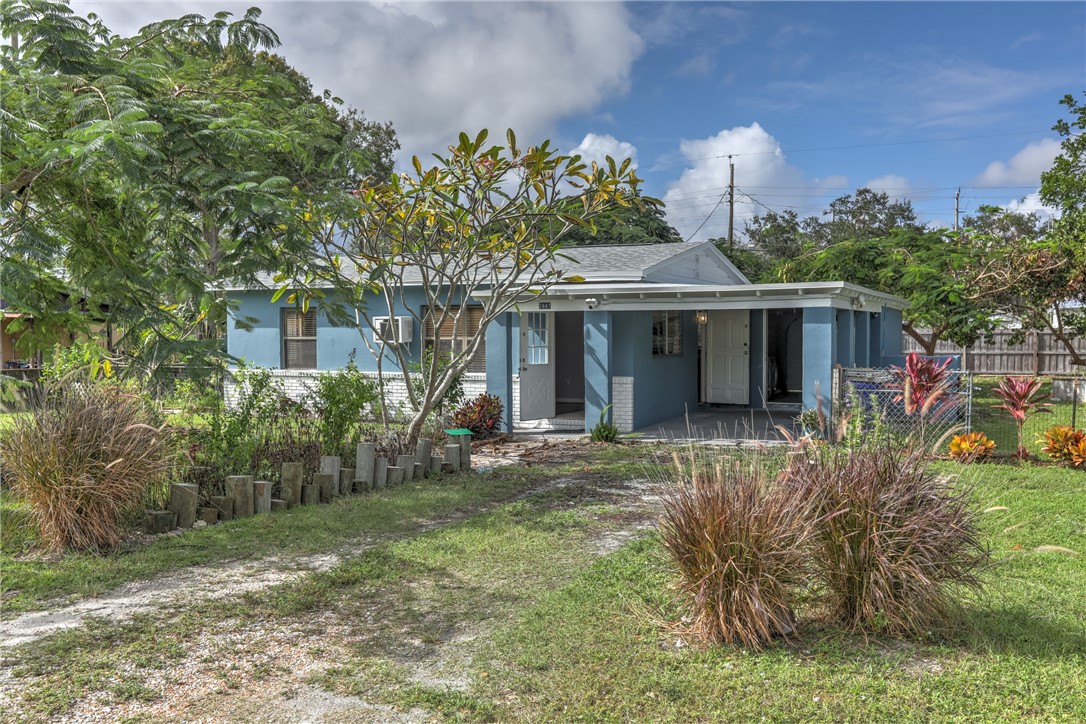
(622, 401)
(296, 385)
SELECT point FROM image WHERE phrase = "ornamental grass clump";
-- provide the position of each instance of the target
(894, 541)
(81, 457)
(740, 541)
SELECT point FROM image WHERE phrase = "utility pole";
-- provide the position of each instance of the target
(731, 203)
(957, 198)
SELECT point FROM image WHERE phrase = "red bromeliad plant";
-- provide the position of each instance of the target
(1022, 400)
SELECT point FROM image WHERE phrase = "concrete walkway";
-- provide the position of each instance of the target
(705, 423)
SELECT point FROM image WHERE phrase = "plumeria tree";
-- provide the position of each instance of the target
(483, 218)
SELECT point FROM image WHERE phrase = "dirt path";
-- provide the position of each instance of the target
(212, 581)
(266, 673)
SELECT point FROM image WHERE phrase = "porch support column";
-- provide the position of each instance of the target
(891, 335)
(819, 355)
(598, 366)
(501, 359)
(862, 321)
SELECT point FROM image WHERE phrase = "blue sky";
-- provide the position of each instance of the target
(813, 99)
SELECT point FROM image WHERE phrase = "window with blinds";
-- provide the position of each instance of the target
(449, 337)
(299, 339)
(667, 333)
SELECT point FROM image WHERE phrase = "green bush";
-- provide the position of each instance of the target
(482, 415)
(341, 401)
(83, 457)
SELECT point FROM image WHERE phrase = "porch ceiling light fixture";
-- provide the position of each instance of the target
(859, 301)
(701, 316)
(592, 302)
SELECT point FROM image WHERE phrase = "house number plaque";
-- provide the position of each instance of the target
(544, 305)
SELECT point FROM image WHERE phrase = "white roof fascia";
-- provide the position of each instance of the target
(706, 296)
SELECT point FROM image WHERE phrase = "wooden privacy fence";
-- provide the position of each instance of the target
(1039, 354)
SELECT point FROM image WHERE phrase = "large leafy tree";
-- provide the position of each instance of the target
(1039, 278)
(139, 173)
(485, 221)
(930, 269)
(636, 223)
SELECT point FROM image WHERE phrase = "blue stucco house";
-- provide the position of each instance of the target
(652, 331)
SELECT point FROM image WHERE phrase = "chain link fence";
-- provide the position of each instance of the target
(866, 399)
(875, 399)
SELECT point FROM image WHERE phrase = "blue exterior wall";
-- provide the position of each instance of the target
(501, 360)
(599, 364)
(819, 353)
(891, 334)
(665, 386)
(261, 345)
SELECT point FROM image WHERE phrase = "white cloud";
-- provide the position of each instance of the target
(761, 174)
(597, 148)
(896, 187)
(1025, 167)
(1031, 203)
(435, 69)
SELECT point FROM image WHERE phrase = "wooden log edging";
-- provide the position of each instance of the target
(311, 494)
(424, 450)
(262, 496)
(407, 462)
(380, 473)
(291, 483)
(184, 498)
(364, 461)
(452, 457)
(240, 488)
(157, 522)
(330, 465)
(324, 483)
(225, 505)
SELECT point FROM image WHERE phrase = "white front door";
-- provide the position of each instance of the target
(727, 357)
(536, 365)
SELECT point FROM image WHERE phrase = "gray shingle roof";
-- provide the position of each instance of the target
(603, 263)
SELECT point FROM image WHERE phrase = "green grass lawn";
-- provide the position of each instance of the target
(34, 582)
(561, 633)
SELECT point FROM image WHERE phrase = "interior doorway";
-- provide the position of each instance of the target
(569, 363)
(784, 355)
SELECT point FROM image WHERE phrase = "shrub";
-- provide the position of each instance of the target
(970, 447)
(893, 540)
(482, 415)
(341, 400)
(925, 391)
(1022, 400)
(81, 458)
(1078, 454)
(1060, 442)
(604, 431)
(740, 542)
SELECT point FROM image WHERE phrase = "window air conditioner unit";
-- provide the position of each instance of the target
(383, 332)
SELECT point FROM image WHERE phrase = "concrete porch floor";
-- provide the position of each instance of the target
(704, 423)
(721, 425)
